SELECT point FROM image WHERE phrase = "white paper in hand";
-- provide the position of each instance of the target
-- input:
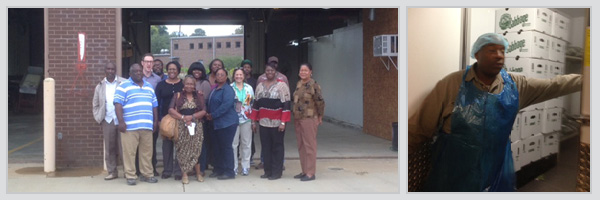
(191, 128)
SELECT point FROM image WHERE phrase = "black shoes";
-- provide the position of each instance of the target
(130, 181)
(306, 178)
(274, 177)
(259, 166)
(156, 173)
(264, 176)
(300, 175)
(165, 176)
(149, 180)
(177, 177)
(225, 177)
(213, 175)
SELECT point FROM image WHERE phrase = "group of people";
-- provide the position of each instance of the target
(215, 117)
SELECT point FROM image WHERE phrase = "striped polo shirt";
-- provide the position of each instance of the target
(137, 104)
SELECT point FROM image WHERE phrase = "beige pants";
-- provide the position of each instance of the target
(306, 136)
(137, 140)
(243, 139)
(112, 146)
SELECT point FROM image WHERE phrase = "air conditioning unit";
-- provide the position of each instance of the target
(385, 45)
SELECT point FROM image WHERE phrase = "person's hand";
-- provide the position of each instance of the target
(208, 117)
(320, 120)
(254, 127)
(155, 126)
(281, 128)
(187, 119)
(122, 127)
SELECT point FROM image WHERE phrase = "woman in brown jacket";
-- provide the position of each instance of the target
(308, 114)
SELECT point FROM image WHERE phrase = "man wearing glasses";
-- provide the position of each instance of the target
(149, 75)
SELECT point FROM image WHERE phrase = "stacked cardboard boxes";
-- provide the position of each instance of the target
(537, 40)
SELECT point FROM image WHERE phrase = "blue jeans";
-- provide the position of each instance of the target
(224, 163)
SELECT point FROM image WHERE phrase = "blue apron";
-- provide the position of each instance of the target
(477, 156)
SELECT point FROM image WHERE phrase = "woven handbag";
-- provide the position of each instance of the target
(168, 127)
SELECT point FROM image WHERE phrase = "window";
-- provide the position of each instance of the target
(200, 46)
(191, 45)
(175, 46)
(237, 44)
(218, 45)
(210, 45)
(228, 44)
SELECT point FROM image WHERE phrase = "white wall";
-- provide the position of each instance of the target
(481, 20)
(572, 102)
(434, 49)
(337, 61)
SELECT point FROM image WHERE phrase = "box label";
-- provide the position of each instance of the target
(514, 45)
(507, 22)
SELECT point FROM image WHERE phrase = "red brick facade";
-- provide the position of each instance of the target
(187, 56)
(81, 143)
(380, 90)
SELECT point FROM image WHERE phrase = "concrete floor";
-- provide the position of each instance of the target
(348, 161)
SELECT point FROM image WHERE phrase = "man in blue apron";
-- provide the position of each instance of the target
(470, 113)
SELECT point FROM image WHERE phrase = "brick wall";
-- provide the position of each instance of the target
(81, 143)
(187, 56)
(380, 85)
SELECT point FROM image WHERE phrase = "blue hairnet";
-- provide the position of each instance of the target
(493, 38)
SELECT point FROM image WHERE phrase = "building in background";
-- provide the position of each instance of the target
(205, 48)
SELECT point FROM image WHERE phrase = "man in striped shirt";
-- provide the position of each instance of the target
(136, 109)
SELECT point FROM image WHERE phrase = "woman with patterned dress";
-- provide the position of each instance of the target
(188, 108)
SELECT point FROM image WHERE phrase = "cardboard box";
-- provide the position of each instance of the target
(554, 69)
(554, 103)
(560, 26)
(515, 132)
(529, 67)
(517, 152)
(531, 149)
(534, 107)
(530, 123)
(528, 44)
(551, 120)
(551, 144)
(558, 49)
(515, 19)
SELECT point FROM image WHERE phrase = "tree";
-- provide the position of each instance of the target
(159, 38)
(231, 62)
(177, 34)
(199, 32)
(239, 30)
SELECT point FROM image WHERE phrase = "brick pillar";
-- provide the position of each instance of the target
(380, 90)
(81, 143)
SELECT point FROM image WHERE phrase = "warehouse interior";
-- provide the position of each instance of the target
(547, 153)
